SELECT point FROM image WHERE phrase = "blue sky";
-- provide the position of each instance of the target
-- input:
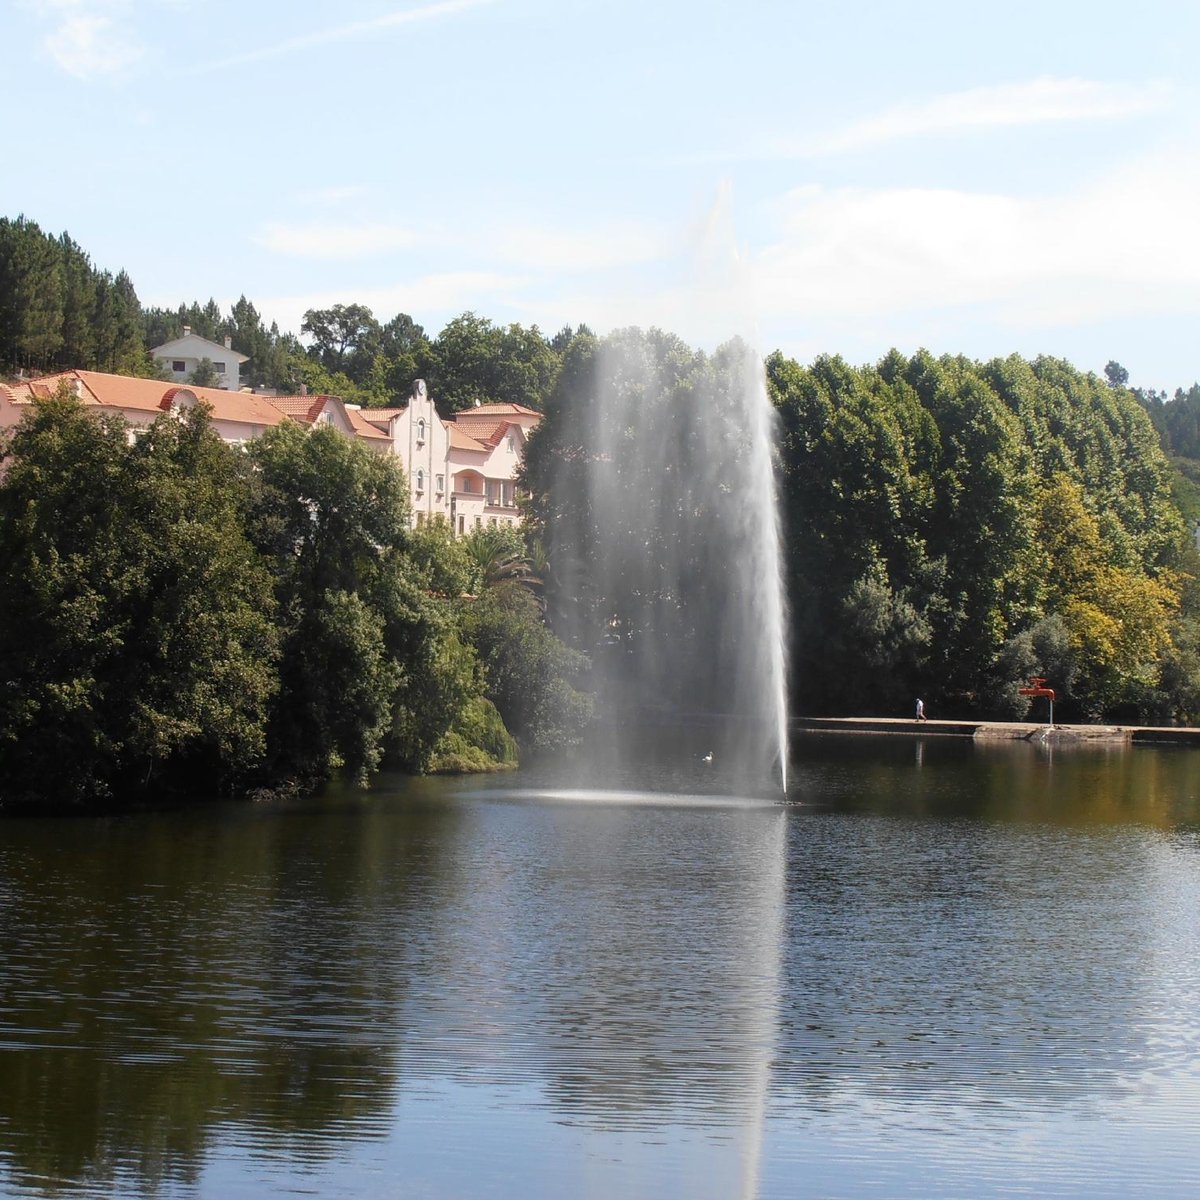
(836, 177)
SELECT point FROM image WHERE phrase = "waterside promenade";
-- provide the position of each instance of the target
(1001, 730)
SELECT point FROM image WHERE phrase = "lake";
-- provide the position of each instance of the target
(941, 970)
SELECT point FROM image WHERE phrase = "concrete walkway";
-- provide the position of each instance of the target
(1001, 730)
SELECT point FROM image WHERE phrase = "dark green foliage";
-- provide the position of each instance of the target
(183, 616)
(57, 311)
(529, 674)
(331, 518)
(477, 741)
(205, 374)
(953, 527)
(476, 362)
(137, 648)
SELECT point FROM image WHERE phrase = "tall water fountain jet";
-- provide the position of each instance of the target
(661, 518)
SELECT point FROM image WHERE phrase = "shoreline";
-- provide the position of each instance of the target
(1027, 731)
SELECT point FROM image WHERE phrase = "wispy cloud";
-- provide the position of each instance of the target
(1033, 102)
(354, 30)
(89, 39)
(858, 269)
(327, 241)
(1042, 101)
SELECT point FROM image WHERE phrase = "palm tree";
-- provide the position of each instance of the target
(503, 563)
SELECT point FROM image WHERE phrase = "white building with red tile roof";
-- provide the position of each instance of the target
(237, 417)
(332, 410)
(462, 470)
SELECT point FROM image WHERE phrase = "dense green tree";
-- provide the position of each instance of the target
(371, 661)
(1117, 619)
(137, 647)
(857, 451)
(476, 362)
(405, 355)
(80, 291)
(530, 675)
(1116, 374)
(501, 560)
(120, 349)
(31, 296)
(915, 494)
(346, 339)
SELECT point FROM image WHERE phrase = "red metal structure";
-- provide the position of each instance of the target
(1037, 687)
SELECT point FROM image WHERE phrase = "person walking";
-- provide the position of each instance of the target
(920, 709)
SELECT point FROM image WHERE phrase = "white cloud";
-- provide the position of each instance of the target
(335, 241)
(1122, 245)
(90, 38)
(856, 270)
(355, 30)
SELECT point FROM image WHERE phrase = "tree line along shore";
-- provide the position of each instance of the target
(182, 616)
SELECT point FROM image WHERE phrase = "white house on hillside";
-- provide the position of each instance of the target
(183, 355)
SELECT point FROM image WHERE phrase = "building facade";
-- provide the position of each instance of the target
(181, 356)
(462, 471)
(237, 417)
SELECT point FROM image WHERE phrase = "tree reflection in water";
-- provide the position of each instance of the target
(996, 945)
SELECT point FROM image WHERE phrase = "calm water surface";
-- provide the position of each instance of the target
(948, 971)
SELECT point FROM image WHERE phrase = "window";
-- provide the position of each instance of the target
(420, 519)
(178, 366)
(220, 369)
(478, 522)
(420, 480)
(512, 444)
(421, 430)
(462, 524)
(441, 484)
